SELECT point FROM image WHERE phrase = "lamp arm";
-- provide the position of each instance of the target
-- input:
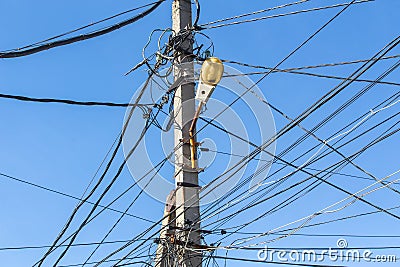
(193, 145)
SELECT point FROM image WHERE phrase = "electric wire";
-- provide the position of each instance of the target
(385, 101)
(342, 63)
(290, 54)
(71, 196)
(254, 13)
(70, 102)
(253, 203)
(324, 155)
(313, 75)
(46, 46)
(108, 165)
(275, 262)
(120, 265)
(372, 143)
(132, 150)
(313, 107)
(206, 27)
(122, 215)
(81, 28)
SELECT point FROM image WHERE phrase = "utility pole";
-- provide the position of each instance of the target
(184, 235)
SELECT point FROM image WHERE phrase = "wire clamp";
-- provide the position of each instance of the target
(185, 184)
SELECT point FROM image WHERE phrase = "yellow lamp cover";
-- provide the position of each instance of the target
(212, 71)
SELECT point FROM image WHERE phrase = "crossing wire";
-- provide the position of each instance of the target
(207, 27)
(108, 165)
(287, 128)
(71, 196)
(46, 46)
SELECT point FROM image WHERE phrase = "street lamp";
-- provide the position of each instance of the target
(210, 75)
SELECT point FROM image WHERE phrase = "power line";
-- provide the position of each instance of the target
(274, 262)
(336, 133)
(259, 200)
(320, 180)
(335, 64)
(82, 28)
(46, 46)
(339, 219)
(287, 128)
(307, 168)
(119, 171)
(108, 165)
(71, 196)
(236, 213)
(255, 12)
(126, 210)
(107, 261)
(70, 102)
(321, 235)
(73, 245)
(295, 122)
(387, 101)
(313, 75)
(205, 26)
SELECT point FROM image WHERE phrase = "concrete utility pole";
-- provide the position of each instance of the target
(184, 235)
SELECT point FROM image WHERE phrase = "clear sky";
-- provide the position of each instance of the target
(60, 147)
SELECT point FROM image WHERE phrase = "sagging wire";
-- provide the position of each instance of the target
(167, 54)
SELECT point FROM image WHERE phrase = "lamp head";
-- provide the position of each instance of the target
(212, 71)
(210, 75)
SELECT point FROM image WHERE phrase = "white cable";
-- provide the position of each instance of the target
(325, 210)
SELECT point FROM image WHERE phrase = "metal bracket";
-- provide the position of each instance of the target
(184, 184)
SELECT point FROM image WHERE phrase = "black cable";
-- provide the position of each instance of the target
(204, 26)
(73, 245)
(236, 213)
(361, 150)
(304, 114)
(276, 262)
(108, 165)
(222, 129)
(314, 107)
(288, 56)
(339, 219)
(258, 200)
(111, 203)
(322, 181)
(343, 144)
(333, 77)
(122, 215)
(127, 190)
(255, 12)
(387, 101)
(316, 248)
(119, 171)
(82, 37)
(108, 261)
(70, 102)
(71, 196)
(196, 21)
(82, 28)
(152, 227)
(320, 171)
(342, 63)
(307, 168)
(322, 235)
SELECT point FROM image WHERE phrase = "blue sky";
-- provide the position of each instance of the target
(60, 147)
